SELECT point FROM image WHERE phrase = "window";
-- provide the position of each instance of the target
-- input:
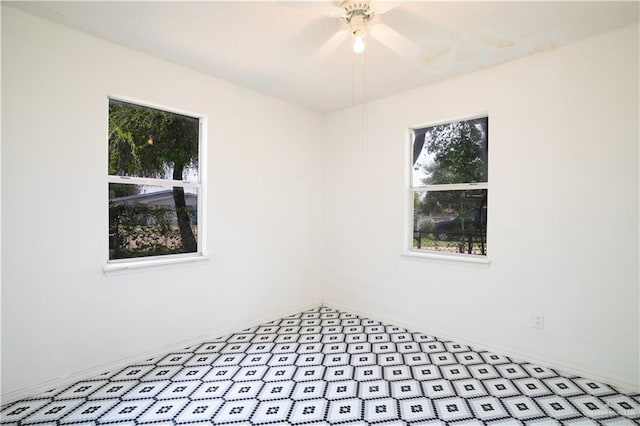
(449, 186)
(155, 183)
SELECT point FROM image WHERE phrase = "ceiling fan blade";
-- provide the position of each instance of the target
(329, 47)
(382, 7)
(332, 10)
(395, 41)
(317, 8)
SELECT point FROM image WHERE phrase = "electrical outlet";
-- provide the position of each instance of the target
(537, 321)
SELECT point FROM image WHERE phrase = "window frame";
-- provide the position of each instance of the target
(115, 265)
(411, 190)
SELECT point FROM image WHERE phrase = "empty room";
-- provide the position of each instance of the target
(321, 213)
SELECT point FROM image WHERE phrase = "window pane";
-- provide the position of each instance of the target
(144, 220)
(451, 153)
(150, 143)
(450, 221)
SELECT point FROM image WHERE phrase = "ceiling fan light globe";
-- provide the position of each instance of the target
(358, 45)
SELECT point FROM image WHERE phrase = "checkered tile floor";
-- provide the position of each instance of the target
(326, 367)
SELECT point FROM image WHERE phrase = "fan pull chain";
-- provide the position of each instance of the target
(353, 84)
(364, 101)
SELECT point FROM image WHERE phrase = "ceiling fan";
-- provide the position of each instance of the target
(359, 16)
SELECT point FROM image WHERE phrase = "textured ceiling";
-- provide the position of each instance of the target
(280, 48)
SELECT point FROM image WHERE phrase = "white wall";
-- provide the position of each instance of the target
(60, 314)
(563, 178)
(563, 210)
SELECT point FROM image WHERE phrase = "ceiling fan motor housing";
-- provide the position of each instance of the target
(357, 14)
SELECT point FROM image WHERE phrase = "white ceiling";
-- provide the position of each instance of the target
(271, 47)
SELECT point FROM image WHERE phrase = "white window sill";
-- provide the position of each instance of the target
(154, 263)
(465, 258)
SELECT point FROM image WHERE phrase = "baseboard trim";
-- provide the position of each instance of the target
(495, 349)
(85, 374)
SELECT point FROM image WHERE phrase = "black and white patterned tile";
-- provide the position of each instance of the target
(327, 367)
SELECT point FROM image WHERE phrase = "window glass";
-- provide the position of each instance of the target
(154, 182)
(144, 220)
(150, 143)
(449, 187)
(451, 153)
(451, 221)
